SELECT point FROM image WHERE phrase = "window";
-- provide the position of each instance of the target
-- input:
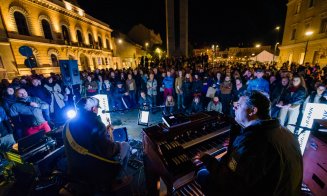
(107, 43)
(46, 29)
(99, 61)
(100, 41)
(323, 26)
(65, 34)
(307, 26)
(54, 60)
(1, 63)
(311, 3)
(79, 36)
(298, 8)
(90, 39)
(293, 34)
(103, 61)
(21, 23)
(106, 59)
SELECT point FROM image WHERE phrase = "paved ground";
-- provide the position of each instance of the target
(129, 119)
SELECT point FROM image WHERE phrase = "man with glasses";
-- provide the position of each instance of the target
(263, 159)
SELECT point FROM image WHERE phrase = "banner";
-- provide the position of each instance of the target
(312, 111)
(104, 106)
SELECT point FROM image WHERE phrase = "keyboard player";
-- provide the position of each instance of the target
(263, 159)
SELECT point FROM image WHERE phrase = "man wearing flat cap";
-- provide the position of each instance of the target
(93, 157)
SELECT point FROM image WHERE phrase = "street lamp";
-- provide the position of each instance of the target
(120, 41)
(159, 52)
(257, 46)
(308, 34)
(275, 51)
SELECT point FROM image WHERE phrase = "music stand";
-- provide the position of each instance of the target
(143, 117)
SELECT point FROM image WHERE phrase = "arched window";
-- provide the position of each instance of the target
(65, 33)
(54, 60)
(46, 29)
(21, 23)
(79, 36)
(100, 42)
(108, 44)
(90, 39)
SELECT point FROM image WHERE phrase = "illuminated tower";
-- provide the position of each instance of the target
(177, 27)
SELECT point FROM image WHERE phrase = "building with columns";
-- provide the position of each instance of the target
(305, 32)
(55, 30)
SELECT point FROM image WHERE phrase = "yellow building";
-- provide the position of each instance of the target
(305, 32)
(55, 30)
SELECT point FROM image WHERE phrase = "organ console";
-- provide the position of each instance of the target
(168, 151)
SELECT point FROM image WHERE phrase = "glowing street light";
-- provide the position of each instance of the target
(277, 28)
(308, 33)
(120, 41)
(257, 45)
(158, 50)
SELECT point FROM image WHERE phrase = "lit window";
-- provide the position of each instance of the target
(323, 26)
(1, 63)
(100, 42)
(90, 39)
(99, 61)
(79, 36)
(107, 43)
(46, 29)
(21, 23)
(298, 8)
(293, 34)
(311, 3)
(65, 33)
(54, 60)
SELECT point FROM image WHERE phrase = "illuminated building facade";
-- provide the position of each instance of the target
(305, 32)
(55, 30)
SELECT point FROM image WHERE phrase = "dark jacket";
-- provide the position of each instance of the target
(92, 135)
(187, 88)
(264, 159)
(197, 86)
(25, 116)
(145, 102)
(40, 92)
(195, 108)
(5, 126)
(297, 97)
(7, 102)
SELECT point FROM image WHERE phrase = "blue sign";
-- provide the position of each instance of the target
(25, 51)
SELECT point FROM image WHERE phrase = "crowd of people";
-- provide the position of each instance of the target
(32, 103)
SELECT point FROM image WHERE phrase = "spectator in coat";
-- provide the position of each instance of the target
(57, 100)
(27, 115)
(215, 105)
(259, 83)
(196, 106)
(168, 85)
(131, 88)
(292, 105)
(152, 89)
(169, 106)
(8, 99)
(6, 132)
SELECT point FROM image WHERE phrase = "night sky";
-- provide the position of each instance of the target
(227, 23)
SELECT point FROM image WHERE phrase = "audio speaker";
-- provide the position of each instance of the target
(69, 71)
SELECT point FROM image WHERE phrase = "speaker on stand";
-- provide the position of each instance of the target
(70, 75)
